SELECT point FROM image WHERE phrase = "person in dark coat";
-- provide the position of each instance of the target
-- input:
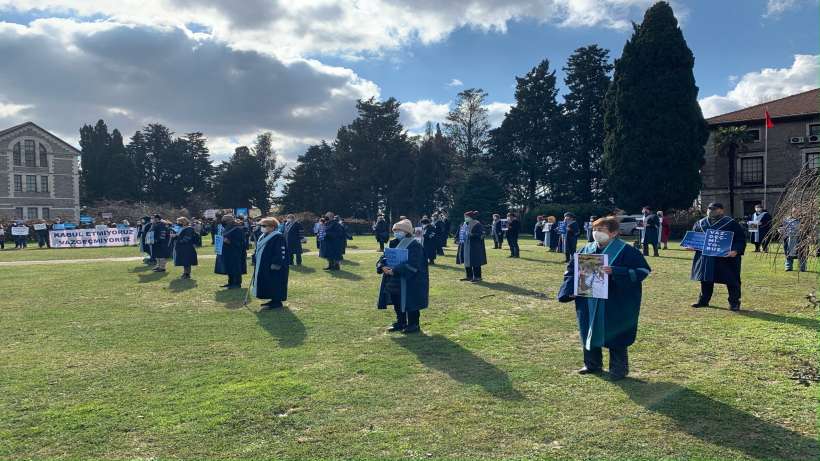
(381, 232)
(231, 258)
(405, 286)
(611, 322)
(42, 235)
(538, 230)
(513, 229)
(763, 219)
(438, 223)
(471, 251)
(446, 229)
(651, 231)
(333, 242)
(142, 236)
(571, 236)
(161, 248)
(709, 270)
(666, 229)
(184, 245)
(294, 234)
(347, 235)
(551, 235)
(429, 240)
(497, 232)
(271, 265)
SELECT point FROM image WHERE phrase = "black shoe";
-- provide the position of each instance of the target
(465, 279)
(225, 285)
(734, 307)
(589, 371)
(233, 287)
(412, 329)
(157, 269)
(327, 269)
(271, 305)
(700, 304)
(396, 328)
(476, 280)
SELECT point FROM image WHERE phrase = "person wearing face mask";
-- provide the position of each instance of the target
(651, 231)
(271, 265)
(144, 239)
(333, 242)
(441, 234)
(791, 243)
(571, 236)
(709, 270)
(513, 230)
(160, 249)
(429, 240)
(763, 220)
(184, 247)
(471, 251)
(294, 235)
(406, 286)
(380, 232)
(611, 322)
(233, 260)
(497, 233)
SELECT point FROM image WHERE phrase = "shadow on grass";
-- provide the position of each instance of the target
(811, 324)
(516, 290)
(151, 276)
(303, 269)
(718, 423)
(459, 363)
(345, 275)
(179, 285)
(348, 262)
(542, 261)
(283, 325)
(232, 298)
(142, 268)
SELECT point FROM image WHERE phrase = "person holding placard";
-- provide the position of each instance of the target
(759, 227)
(271, 260)
(183, 241)
(538, 230)
(725, 269)
(41, 231)
(160, 249)
(570, 236)
(512, 233)
(429, 240)
(611, 322)
(405, 280)
(471, 251)
(231, 252)
(145, 243)
(2, 237)
(335, 238)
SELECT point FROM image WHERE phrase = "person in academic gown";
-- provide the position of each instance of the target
(446, 234)
(709, 270)
(571, 237)
(184, 245)
(347, 235)
(233, 260)
(551, 234)
(381, 232)
(441, 235)
(142, 233)
(42, 236)
(333, 242)
(497, 232)
(764, 222)
(666, 229)
(538, 230)
(791, 241)
(471, 251)
(161, 248)
(406, 286)
(271, 265)
(611, 322)
(513, 230)
(429, 240)
(294, 235)
(651, 232)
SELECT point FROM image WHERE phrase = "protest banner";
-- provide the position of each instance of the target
(107, 215)
(210, 213)
(86, 219)
(90, 238)
(395, 256)
(40, 226)
(19, 230)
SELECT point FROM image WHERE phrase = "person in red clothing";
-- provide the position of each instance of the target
(666, 229)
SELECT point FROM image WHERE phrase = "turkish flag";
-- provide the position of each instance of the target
(769, 123)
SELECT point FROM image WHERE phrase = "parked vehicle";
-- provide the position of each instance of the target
(629, 224)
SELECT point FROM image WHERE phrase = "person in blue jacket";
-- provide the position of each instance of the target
(611, 322)
(406, 285)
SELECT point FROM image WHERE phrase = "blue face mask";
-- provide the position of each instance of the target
(399, 234)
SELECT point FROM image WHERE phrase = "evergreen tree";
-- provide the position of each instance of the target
(94, 145)
(587, 78)
(241, 182)
(655, 132)
(199, 171)
(309, 184)
(266, 156)
(481, 191)
(137, 151)
(121, 177)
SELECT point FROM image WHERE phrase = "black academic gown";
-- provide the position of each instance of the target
(334, 241)
(381, 231)
(232, 261)
(471, 251)
(430, 242)
(272, 269)
(413, 276)
(184, 247)
(294, 233)
(161, 246)
(715, 269)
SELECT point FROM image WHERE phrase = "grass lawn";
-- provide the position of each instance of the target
(109, 360)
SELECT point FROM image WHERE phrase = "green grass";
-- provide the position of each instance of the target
(108, 360)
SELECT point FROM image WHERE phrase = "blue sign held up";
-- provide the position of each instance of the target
(86, 219)
(693, 240)
(218, 244)
(562, 227)
(58, 227)
(718, 243)
(241, 212)
(395, 256)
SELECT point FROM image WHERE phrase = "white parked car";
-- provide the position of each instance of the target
(629, 223)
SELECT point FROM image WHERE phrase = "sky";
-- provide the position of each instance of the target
(234, 69)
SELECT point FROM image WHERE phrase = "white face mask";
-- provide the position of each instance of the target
(399, 234)
(600, 237)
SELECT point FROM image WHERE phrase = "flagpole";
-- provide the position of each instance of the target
(766, 157)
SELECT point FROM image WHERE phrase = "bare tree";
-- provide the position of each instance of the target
(467, 125)
(801, 201)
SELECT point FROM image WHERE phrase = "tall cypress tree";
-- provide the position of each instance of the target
(655, 132)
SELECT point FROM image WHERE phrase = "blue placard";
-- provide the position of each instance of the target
(218, 244)
(395, 256)
(122, 226)
(718, 242)
(69, 225)
(241, 212)
(86, 219)
(562, 227)
(693, 240)
(58, 227)
(177, 228)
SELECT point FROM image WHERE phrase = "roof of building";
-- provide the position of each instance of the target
(23, 125)
(806, 103)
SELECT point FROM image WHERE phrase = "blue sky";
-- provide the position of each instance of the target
(234, 69)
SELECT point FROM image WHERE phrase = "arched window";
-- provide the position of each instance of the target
(18, 158)
(43, 156)
(28, 150)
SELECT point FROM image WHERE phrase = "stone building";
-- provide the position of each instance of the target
(761, 173)
(39, 175)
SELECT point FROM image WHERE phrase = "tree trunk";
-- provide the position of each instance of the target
(732, 183)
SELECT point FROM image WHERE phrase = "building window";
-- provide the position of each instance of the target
(813, 160)
(754, 135)
(31, 183)
(32, 213)
(751, 170)
(18, 158)
(43, 183)
(18, 213)
(18, 183)
(814, 129)
(45, 213)
(43, 156)
(28, 150)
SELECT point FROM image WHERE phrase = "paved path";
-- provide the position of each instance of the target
(131, 258)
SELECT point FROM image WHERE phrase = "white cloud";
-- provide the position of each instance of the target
(455, 82)
(416, 114)
(766, 85)
(496, 112)
(9, 110)
(778, 7)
